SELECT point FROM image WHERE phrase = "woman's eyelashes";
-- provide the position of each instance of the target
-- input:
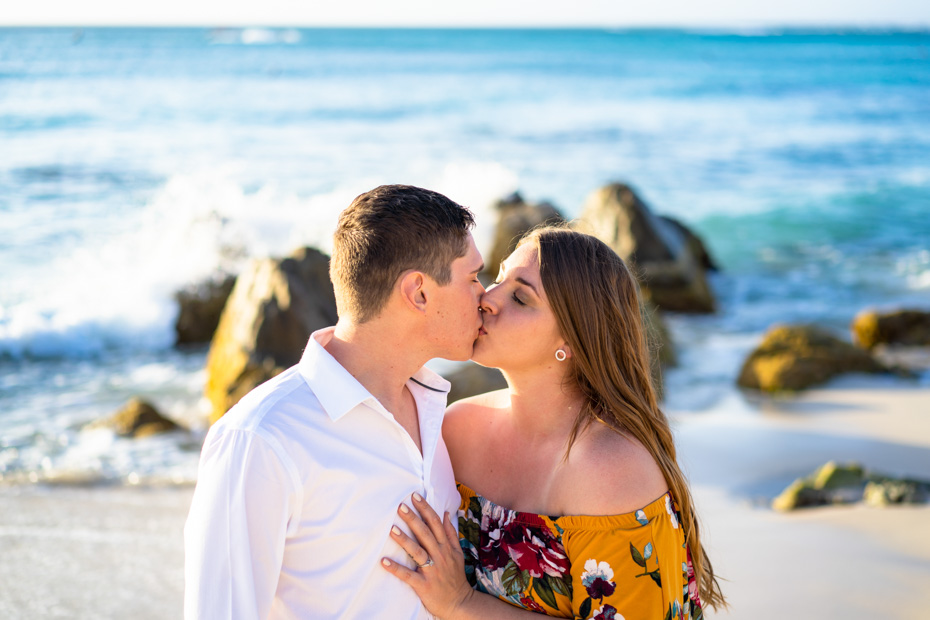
(513, 296)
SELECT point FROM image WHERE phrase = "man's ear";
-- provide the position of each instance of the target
(413, 291)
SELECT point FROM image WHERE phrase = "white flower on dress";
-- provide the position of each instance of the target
(671, 511)
(594, 569)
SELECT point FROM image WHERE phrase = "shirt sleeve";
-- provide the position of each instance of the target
(235, 533)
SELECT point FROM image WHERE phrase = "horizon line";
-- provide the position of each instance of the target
(723, 26)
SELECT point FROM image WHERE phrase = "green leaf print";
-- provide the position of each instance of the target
(655, 577)
(474, 507)
(697, 613)
(514, 580)
(561, 586)
(545, 592)
(637, 556)
(585, 609)
(668, 614)
(470, 530)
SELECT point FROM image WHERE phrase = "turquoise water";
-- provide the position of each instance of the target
(136, 161)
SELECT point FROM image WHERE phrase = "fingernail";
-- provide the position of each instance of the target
(395, 530)
(386, 562)
(417, 498)
(404, 509)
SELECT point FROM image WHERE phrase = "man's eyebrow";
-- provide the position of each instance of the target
(524, 282)
(479, 269)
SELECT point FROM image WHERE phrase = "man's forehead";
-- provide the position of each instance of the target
(472, 261)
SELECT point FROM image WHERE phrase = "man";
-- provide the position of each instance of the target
(300, 482)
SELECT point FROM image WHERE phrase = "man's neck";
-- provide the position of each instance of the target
(379, 356)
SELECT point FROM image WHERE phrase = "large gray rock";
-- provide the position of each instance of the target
(794, 357)
(514, 218)
(271, 312)
(199, 309)
(670, 265)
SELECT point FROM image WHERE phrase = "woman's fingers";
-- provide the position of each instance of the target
(402, 572)
(414, 550)
(452, 537)
(427, 528)
(429, 516)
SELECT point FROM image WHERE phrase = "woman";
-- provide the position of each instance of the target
(573, 504)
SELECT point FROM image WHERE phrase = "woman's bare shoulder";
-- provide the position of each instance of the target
(467, 409)
(609, 473)
(467, 420)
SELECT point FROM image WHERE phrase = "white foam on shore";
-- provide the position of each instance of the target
(119, 295)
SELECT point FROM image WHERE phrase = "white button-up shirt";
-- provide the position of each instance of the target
(297, 491)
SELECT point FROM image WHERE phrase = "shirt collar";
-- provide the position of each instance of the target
(337, 390)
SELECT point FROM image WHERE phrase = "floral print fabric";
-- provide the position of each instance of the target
(622, 567)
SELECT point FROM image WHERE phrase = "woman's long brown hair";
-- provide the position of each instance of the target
(596, 303)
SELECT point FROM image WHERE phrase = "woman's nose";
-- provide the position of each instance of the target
(486, 303)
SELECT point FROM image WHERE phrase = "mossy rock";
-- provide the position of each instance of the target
(138, 418)
(903, 327)
(887, 491)
(795, 357)
(274, 307)
(830, 484)
(845, 484)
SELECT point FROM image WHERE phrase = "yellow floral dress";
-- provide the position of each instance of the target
(633, 566)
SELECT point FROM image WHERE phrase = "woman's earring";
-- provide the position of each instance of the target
(560, 355)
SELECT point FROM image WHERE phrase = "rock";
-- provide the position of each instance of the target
(695, 244)
(472, 379)
(794, 357)
(271, 312)
(887, 491)
(665, 257)
(514, 218)
(903, 327)
(200, 307)
(138, 418)
(830, 484)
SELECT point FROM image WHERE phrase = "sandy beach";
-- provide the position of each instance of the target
(114, 552)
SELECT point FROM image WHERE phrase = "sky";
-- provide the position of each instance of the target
(490, 13)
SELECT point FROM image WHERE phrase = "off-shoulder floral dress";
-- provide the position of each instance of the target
(633, 566)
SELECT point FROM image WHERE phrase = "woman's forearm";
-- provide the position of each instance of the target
(481, 606)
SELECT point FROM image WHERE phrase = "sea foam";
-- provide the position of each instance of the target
(120, 294)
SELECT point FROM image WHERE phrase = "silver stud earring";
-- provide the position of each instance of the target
(560, 355)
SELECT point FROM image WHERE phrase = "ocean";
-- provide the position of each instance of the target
(134, 162)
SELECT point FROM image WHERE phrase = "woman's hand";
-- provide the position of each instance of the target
(439, 580)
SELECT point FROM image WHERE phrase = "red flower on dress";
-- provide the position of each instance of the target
(530, 604)
(530, 545)
(693, 593)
